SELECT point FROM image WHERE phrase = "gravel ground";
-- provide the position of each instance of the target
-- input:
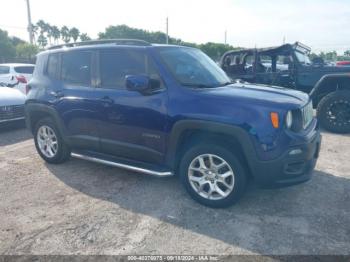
(85, 208)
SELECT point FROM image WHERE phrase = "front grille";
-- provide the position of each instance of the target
(307, 114)
(11, 112)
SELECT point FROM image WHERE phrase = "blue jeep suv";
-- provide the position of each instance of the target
(164, 110)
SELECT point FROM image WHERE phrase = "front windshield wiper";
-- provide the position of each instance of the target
(226, 83)
(197, 85)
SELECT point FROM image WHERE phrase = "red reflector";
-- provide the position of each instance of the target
(21, 79)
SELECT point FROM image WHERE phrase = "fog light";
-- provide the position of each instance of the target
(295, 152)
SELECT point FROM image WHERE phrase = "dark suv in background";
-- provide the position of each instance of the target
(289, 66)
(164, 110)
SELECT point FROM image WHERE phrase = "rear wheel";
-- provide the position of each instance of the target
(49, 142)
(333, 112)
(212, 175)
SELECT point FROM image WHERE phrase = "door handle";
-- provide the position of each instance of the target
(57, 94)
(107, 101)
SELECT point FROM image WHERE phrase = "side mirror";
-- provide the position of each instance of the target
(141, 83)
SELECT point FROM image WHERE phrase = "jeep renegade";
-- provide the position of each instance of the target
(164, 110)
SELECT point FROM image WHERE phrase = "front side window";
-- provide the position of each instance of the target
(76, 68)
(4, 70)
(115, 65)
(24, 69)
(303, 58)
(191, 67)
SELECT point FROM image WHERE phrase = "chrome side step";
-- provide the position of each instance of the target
(123, 166)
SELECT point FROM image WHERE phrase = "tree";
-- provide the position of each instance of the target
(65, 34)
(74, 33)
(215, 50)
(42, 26)
(84, 37)
(48, 29)
(7, 50)
(347, 53)
(42, 40)
(56, 33)
(16, 41)
(26, 51)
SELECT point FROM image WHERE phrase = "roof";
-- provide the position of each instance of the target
(125, 42)
(296, 45)
(16, 64)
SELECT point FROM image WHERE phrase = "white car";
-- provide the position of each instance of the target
(11, 105)
(17, 75)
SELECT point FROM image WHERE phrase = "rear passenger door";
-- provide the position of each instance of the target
(133, 124)
(74, 100)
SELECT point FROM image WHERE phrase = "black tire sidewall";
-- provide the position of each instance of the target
(322, 109)
(230, 158)
(62, 152)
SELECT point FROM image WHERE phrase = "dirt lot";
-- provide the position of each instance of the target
(86, 208)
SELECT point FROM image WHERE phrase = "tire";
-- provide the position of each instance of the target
(333, 112)
(191, 158)
(61, 152)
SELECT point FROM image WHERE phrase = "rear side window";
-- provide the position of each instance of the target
(116, 64)
(76, 68)
(24, 69)
(53, 66)
(4, 70)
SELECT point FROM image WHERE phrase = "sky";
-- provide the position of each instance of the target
(320, 24)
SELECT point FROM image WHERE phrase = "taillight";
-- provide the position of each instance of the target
(27, 89)
(21, 79)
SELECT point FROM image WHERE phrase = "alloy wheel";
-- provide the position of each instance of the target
(47, 141)
(211, 177)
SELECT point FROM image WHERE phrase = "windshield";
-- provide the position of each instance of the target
(191, 67)
(303, 58)
(24, 69)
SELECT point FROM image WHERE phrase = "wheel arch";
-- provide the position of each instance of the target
(36, 112)
(187, 132)
(328, 84)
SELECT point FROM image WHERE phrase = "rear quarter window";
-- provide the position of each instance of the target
(52, 69)
(4, 70)
(24, 69)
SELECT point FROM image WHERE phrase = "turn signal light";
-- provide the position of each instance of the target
(274, 119)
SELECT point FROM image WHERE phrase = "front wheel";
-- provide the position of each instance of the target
(333, 112)
(212, 175)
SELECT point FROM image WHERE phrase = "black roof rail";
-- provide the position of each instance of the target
(135, 42)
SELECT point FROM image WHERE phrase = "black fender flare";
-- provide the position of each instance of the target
(236, 132)
(30, 109)
(325, 85)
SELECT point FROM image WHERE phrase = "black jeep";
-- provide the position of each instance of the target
(289, 66)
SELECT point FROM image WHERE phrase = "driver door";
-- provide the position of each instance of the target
(132, 125)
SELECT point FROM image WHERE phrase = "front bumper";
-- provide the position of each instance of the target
(289, 169)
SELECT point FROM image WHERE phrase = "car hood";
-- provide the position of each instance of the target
(328, 69)
(11, 96)
(264, 94)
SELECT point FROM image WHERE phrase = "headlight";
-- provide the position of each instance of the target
(289, 119)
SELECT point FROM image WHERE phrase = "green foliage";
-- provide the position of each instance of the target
(74, 33)
(84, 37)
(26, 51)
(7, 49)
(214, 50)
(56, 33)
(65, 34)
(42, 40)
